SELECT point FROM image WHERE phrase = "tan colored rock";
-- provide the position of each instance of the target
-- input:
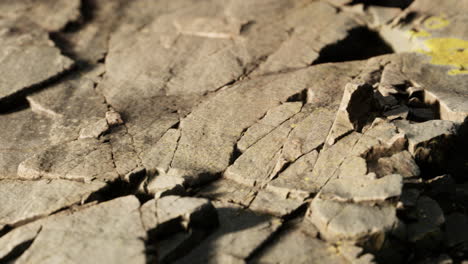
(25, 201)
(27, 49)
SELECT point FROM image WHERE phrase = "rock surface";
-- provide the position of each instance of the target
(260, 131)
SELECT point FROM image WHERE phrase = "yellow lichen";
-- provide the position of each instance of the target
(436, 22)
(418, 33)
(448, 51)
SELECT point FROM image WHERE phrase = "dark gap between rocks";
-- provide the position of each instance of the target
(386, 3)
(360, 44)
(86, 14)
(17, 101)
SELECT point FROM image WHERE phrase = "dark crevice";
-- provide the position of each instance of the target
(120, 188)
(360, 44)
(17, 101)
(236, 153)
(87, 8)
(385, 3)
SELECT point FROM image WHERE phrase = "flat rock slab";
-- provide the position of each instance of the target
(113, 224)
(28, 200)
(36, 61)
(206, 131)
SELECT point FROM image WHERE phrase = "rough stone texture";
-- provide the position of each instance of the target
(50, 15)
(27, 49)
(88, 235)
(257, 131)
(28, 200)
(239, 233)
(168, 211)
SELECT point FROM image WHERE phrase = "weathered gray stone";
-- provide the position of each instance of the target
(27, 133)
(354, 110)
(269, 122)
(401, 163)
(300, 248)
(363, 189)
(272, 203)
(239, 234)
(332, 219)
(26, 49)
(114, 224)
(203, 146)
(24, 201)
(80, 160)
(420, 134)
(228, 191)
(171, 211)
(295, 181)
(50, 15)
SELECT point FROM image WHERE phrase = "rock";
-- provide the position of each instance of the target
(354, 254)
(50, 15)
(294, 181)
(258, 164)
(94, 130)
(401, 163)
(25, 201)
(240, 232)
(269, 202)
(159, 156)
(171, 212)
(330, 159)
(179, 244)
(398, 112)
(165, 184)
(113, 118)
(200, 135)
(309, 134)
(28, 50)
(80, 160)
(301, 248)
(429, 141)
(74, 106)
(363, 189)
(332, 220)
(90, 43)
(269, 122)
(113, 224)
(28, 133)
(228, 191)
(356, 104)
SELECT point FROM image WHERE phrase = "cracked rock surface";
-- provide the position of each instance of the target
(260, 131)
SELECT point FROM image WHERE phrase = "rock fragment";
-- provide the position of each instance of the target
(27, 50)
(50, 15)
(114, 224)
(169, 213)
(363, 189)
(332, 220)
(301, 248)
(239, 234)
(81, 160)
(25, 201)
